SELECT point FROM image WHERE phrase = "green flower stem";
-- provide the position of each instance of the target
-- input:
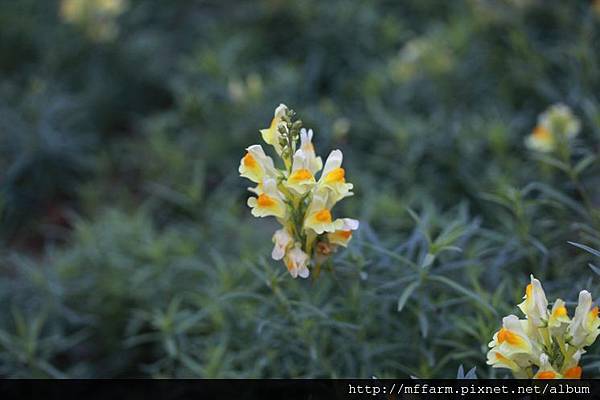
(562, 346)
(569, 353)
(529, 372)
(546, 336)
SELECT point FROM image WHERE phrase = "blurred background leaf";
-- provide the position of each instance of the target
(126, 246)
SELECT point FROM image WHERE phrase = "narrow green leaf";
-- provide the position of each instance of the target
(391, 254)
(572, 204)
(584, 163)
(170, 347)
(49, 369)
(551, 161)
(463, 290)
(408, 291)
(428, 260)
(191, 364)
(586, 248)
(594, 268)
(423, 324)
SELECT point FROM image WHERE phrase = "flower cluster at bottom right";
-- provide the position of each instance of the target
(547, 344)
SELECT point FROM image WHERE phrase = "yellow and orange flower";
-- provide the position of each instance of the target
(535, 304)
(301, 204)
(585, 326)
(342, 236)
(256, 165)
(546, 344)
(333, 177)
(268, 203)
(540, 139)
(556, 125)
(271, 134)
(301, 179)
(319, 218)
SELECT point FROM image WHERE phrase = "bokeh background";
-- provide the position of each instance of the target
(127, 249)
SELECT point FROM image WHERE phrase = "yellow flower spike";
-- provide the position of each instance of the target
(555, 125)
(301, 204)
(526, 346)
(560, 120)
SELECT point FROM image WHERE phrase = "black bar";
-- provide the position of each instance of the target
(301, 389)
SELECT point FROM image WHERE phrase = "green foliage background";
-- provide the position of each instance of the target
(128, 250)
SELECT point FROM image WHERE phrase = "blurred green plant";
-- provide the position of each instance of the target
(126, 247)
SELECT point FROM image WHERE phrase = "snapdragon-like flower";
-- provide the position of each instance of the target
(273, 135)
(547, 344)
(585, 326)
(297, 195)
(555, 125)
